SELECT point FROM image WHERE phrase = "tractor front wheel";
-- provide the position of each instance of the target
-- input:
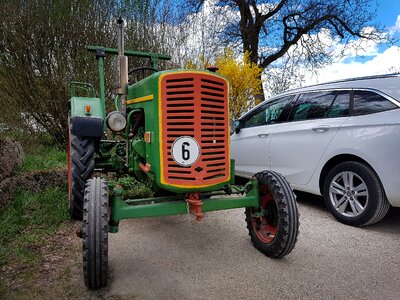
(274, 226)
(95, 233)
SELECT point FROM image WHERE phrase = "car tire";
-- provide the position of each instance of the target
(354, 194)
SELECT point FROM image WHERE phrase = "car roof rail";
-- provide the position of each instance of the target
(347, 80)
(365, 78)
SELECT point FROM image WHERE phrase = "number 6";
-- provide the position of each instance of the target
(185, 152)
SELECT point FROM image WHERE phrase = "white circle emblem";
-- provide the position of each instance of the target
(185, 151)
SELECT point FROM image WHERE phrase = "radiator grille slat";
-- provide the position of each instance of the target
(195, 105)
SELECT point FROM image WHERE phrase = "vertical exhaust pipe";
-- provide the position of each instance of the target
(122, 68)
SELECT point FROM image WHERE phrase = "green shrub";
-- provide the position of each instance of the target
(133, 189)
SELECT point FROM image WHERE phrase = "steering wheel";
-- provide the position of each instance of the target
(139, 76)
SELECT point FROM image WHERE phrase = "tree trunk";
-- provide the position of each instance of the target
(260, 97)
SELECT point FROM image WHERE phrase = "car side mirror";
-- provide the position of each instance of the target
(238, 126)
(232, 126)
(235, 126)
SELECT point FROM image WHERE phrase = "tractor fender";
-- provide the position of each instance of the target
(87, 117)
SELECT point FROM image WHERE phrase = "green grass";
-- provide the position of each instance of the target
(43, 158)
(31, 217)
(29, 220)
(132, 189)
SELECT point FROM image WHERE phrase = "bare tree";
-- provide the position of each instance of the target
(269, 30)
(42, 48)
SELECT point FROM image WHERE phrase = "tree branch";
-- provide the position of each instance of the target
(305, 30)
(273, 12)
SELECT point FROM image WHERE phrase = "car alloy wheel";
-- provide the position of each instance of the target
(348, 194)
(354, 194)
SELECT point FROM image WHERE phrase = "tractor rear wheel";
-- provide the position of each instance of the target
(80, 169)
(95, 234)
(274, 226)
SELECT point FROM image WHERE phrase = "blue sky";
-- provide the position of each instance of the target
(388, 10)
(387, 14)
(368, 59)
(375, 59)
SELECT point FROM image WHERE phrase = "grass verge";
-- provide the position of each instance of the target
(27, 222)
(43, 158)
(29, 218)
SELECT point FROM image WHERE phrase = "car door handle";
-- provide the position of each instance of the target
(262, 135)
(322, 128)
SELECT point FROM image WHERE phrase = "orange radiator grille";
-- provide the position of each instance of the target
(195, 105)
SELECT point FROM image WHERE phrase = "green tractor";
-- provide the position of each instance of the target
(170, 131)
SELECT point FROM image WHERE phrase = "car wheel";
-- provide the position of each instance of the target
(354, 194)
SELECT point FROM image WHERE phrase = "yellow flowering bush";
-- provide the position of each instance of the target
(243, 77)
(244, 81)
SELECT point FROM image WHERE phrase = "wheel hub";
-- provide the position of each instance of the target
(348, 194)
(265, 220)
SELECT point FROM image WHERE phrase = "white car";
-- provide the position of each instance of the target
(340, 140)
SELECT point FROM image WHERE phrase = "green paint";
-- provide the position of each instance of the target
(154, 57)
(129, 118)
(110, 156)
(87, 88)
(78, 107)
(102, 89)
(232, 181)
(173, 205)
(122, 210)
(139, 147)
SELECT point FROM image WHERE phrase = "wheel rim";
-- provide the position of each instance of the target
(348, 194)
(265, 225)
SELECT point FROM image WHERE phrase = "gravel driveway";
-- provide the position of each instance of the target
(167, 258)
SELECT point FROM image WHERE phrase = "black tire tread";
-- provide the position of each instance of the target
(368, 217)
(95, 233)
(285, 199)
(82, 167)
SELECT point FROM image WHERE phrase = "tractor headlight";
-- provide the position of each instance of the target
(116, 121)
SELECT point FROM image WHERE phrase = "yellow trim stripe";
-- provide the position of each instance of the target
(140, 99)
(160, 137)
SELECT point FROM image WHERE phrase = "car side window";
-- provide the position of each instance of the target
(367, 102)
(257, 119)
(340, 105)
(269, 113)
(312, 105)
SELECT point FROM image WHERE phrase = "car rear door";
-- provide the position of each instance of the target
(250, 145)
(297, 146)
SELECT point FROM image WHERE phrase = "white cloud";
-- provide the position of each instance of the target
(382, 63)
(357, 48)
(396, 27)
(203, 29)
(202, 33)
(349, 66)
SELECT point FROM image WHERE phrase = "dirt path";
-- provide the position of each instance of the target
(56, 275)
(164, 258)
